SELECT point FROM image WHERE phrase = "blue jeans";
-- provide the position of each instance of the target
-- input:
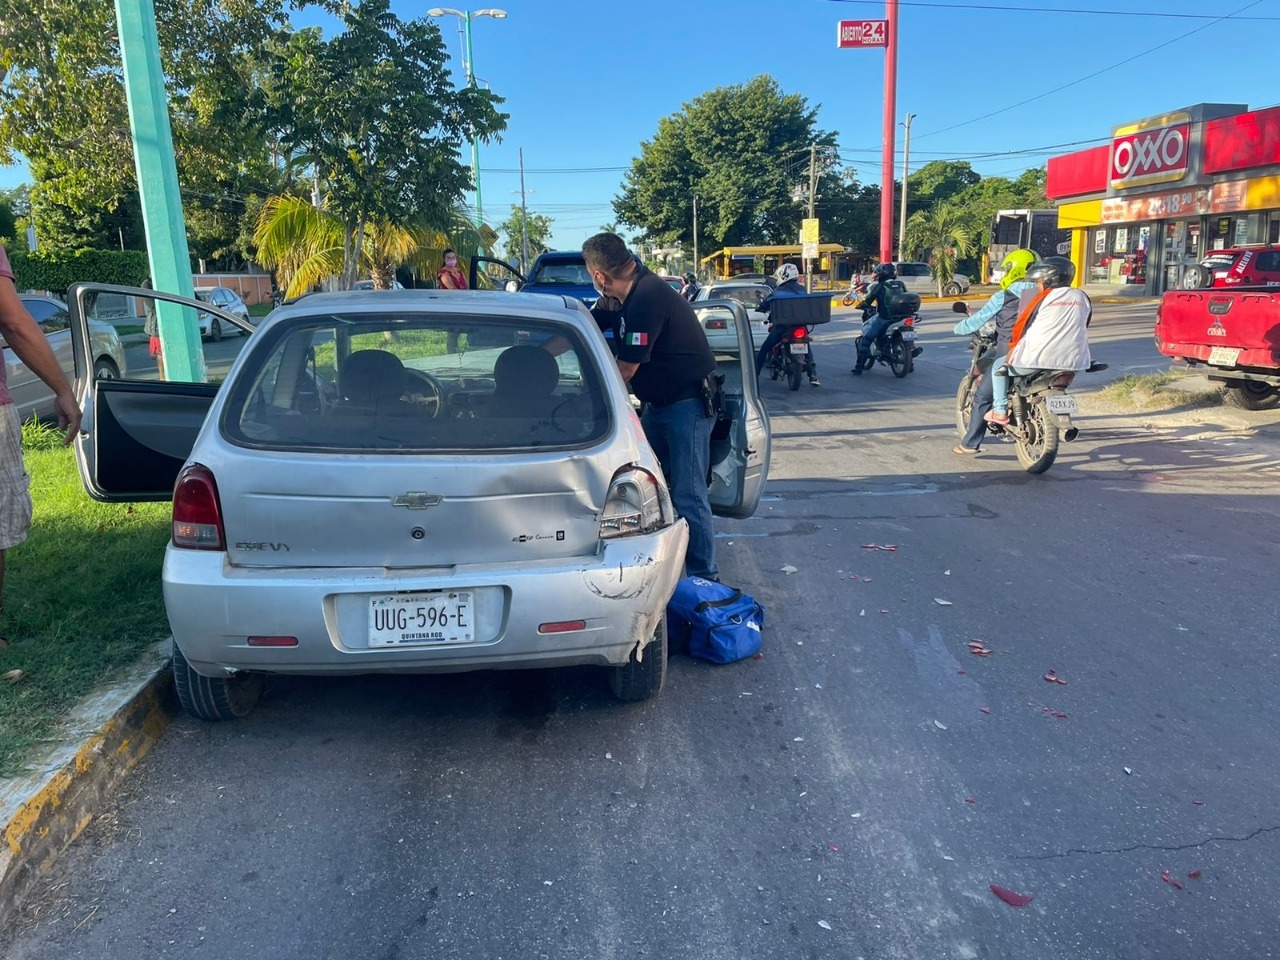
(1000, 384)
(982, 401)
(871, 330)
(680, 435)
(776, 335)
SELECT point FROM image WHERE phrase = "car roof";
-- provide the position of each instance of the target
(479, 302)
(575, 255)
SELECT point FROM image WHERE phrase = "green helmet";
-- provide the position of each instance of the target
(1015, 267)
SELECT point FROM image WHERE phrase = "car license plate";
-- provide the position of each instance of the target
(1224, 356)
(908, 334)
(409, 619)
(1062, 404)
(799, 348)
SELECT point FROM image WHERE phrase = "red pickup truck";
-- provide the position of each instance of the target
(1235, 334)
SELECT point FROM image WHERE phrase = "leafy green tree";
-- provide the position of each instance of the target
(742, 150)
(373, 111)
(306, 246)
(537, 228)
(62, 105)
(941, 231)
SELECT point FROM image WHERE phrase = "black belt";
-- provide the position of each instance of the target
(691, 393)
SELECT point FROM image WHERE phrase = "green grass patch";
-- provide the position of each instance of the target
(260, 309)
(124, 329)
(1157, 391)
(82, 597)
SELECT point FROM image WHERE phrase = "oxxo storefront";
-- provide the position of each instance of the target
(1167, 191)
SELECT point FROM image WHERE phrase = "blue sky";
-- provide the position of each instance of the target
(586, 81)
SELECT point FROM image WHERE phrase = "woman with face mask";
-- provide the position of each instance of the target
(451, 276)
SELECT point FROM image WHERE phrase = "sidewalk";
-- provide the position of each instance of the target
(44, 811)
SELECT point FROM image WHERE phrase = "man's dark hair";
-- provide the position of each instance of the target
(607, 252)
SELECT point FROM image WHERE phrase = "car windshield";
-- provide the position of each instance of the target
(750, 297)
(413, 384)
(567, 272)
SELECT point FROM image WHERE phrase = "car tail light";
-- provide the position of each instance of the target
(717, 325)
(1062, 380)
(197, 513)
(637, 503)
(273, 641)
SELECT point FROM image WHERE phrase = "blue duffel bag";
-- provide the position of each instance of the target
(717, 622)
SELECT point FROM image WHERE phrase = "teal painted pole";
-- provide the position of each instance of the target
(158, 188)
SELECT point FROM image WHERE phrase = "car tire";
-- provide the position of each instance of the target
(1197, 277)
(1248, 395)
(104, 368)
(642, 679)
(952, 290)
(215, 329)
(214, 698)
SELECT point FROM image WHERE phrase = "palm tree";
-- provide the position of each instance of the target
(304, 244)
(942, 232)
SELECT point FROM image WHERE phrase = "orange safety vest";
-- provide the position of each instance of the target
(1025, 318)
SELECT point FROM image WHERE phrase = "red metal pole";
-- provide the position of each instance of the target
(890, 125)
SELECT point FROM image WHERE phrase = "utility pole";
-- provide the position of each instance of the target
(696, 261)
(524, 221)
(813, 189)
(902, 213)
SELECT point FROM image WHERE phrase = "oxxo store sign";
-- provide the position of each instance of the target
(1153, 151)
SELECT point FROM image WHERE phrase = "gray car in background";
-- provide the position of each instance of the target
(31, 396)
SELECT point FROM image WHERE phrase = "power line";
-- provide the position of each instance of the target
(1096, 73)
(1063, 10)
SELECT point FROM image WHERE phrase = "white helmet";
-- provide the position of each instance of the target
(787, 272)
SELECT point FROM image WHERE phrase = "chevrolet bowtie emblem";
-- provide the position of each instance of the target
(416, 500)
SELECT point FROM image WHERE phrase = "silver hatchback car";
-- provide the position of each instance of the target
(414, 482)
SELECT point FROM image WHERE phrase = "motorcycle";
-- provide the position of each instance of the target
(792, 356)
(895, 346)
(857, 290)
(1040, 409)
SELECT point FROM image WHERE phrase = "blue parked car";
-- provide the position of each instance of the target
(562, 273)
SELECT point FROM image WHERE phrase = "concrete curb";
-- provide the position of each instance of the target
(43, 812)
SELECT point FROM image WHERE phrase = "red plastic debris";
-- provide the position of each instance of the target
(970, 799)
(1011, 898)
(758, 656)
(1194, 875)
(979, 649)
(1168, 878)
(1198, 803)
(1056, 714)
(984, 709)
(1052, 677)
(961, 672)
(833, 848)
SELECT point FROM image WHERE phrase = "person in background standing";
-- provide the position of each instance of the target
(451, 276)
(152, 328)
(24, 337)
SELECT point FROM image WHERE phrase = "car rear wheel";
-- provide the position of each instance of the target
(105, 369)
(1196, 278)
(638, 680)
(1248, 395)
(215, 329)
(214, 698)
(952, 290)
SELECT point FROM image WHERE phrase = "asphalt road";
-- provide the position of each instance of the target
(853, 794)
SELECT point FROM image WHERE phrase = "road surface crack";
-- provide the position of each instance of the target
(1152, 846)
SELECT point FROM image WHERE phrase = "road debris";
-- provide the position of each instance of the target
(888, 547)
(1193, 875)
(1052, 677)
(824, 925)
(1059, 715)
(943, 603)
(939, 724)
(1170, 879)
(12, 676)
(1011, 898)
(789, 569)
(979, 649)
(984, 710)
(971, 800)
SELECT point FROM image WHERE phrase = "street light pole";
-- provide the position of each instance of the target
(466, 16)
(902, 213)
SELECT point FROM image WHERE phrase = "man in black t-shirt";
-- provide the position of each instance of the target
(664, 355)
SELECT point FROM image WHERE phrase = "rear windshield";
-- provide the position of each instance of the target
(567, 272)
(749, 297)
(1219, 261)
(412, 384)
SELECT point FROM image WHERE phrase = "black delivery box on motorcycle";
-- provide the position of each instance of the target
(806, 311)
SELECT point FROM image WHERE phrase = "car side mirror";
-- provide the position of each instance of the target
(511, 286)
(959, 307)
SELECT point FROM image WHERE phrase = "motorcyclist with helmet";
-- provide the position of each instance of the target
(787, 284)
(1002, 312)
(690, 288)
(877, 296)
(1051, 332)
